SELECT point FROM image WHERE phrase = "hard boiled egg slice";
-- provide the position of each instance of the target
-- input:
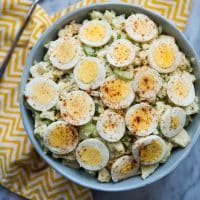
(164, 55)
(116, 93)
(111, 126)
(41, 93)
(149, 150)
(180, 90)
(124, 167)
(141, 119)
(121, 53)
(95, 33)
(172, 121)
(64, 54)
(60, 137)
(92, 154)
(89, 73)
(141, 28)
(147, 83)
(77, 108)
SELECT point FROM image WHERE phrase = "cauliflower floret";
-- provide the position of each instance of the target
(185, 64)
(148, 170)
(145, 46)
(45, 69)
(161, 107)
(101, 53)
(108, 70)
(143, 54)
(69, 30)
(116, 149)
(67, 84)
(117, 34)
(186, 74)
(104, 176)
(169, 148)
(163, 92)
(193, 107)
(96, 15)
(48, 115)
(39, 69)
(119, 22)
(138, 61)
(69, 157)
(71, 163)
(39, 127)
(182, 139)
(109, 15)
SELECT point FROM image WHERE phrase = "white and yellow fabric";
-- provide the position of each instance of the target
(21, 169)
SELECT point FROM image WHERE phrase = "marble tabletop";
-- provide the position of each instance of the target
(181, 184)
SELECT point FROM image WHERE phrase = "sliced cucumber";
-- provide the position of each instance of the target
(86, 131)
(124, 74)
(89, 51)
(119, 36)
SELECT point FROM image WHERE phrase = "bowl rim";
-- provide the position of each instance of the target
(34, 140)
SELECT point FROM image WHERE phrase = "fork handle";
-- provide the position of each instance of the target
(27, 18)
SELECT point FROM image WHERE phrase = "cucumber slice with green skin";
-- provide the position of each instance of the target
(89, 51)
(124, 74)
(87, 130)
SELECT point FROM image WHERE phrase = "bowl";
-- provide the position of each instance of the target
(81, 177)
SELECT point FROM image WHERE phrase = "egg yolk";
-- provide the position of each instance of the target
(94, 32)
(42, 93)
(64, 52)
(121, 52)
(90, 155)
(142, 27)
(146, 83)
(115, 90)
(175, 121)
(164, 56)
(87, 71)
(151, 152)
(180, 89)
(126, 167)
(77, 107)
(141, 119)
(61, 136)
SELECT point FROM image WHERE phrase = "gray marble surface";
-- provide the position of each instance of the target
(184, 182)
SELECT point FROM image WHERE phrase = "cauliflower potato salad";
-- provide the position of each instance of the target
(112, 96)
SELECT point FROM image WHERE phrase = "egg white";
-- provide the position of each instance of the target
(111, 126)
(106, 89)
(142, 142)
(68, 147)
(150, 80)
(89, 24)
(41, 93)
(172, 49)
(53, 51)
(166, 120)
(124, 163)
(77, 108)
(100, 147)
(180, 90)
(119, 47)
(141, 28)
(147, 114)
(101, 73)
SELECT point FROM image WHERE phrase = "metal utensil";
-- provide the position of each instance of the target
(27, 18)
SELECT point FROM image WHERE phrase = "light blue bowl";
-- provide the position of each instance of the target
(80, 177)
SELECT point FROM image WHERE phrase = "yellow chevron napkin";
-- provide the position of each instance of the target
(21, 169)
